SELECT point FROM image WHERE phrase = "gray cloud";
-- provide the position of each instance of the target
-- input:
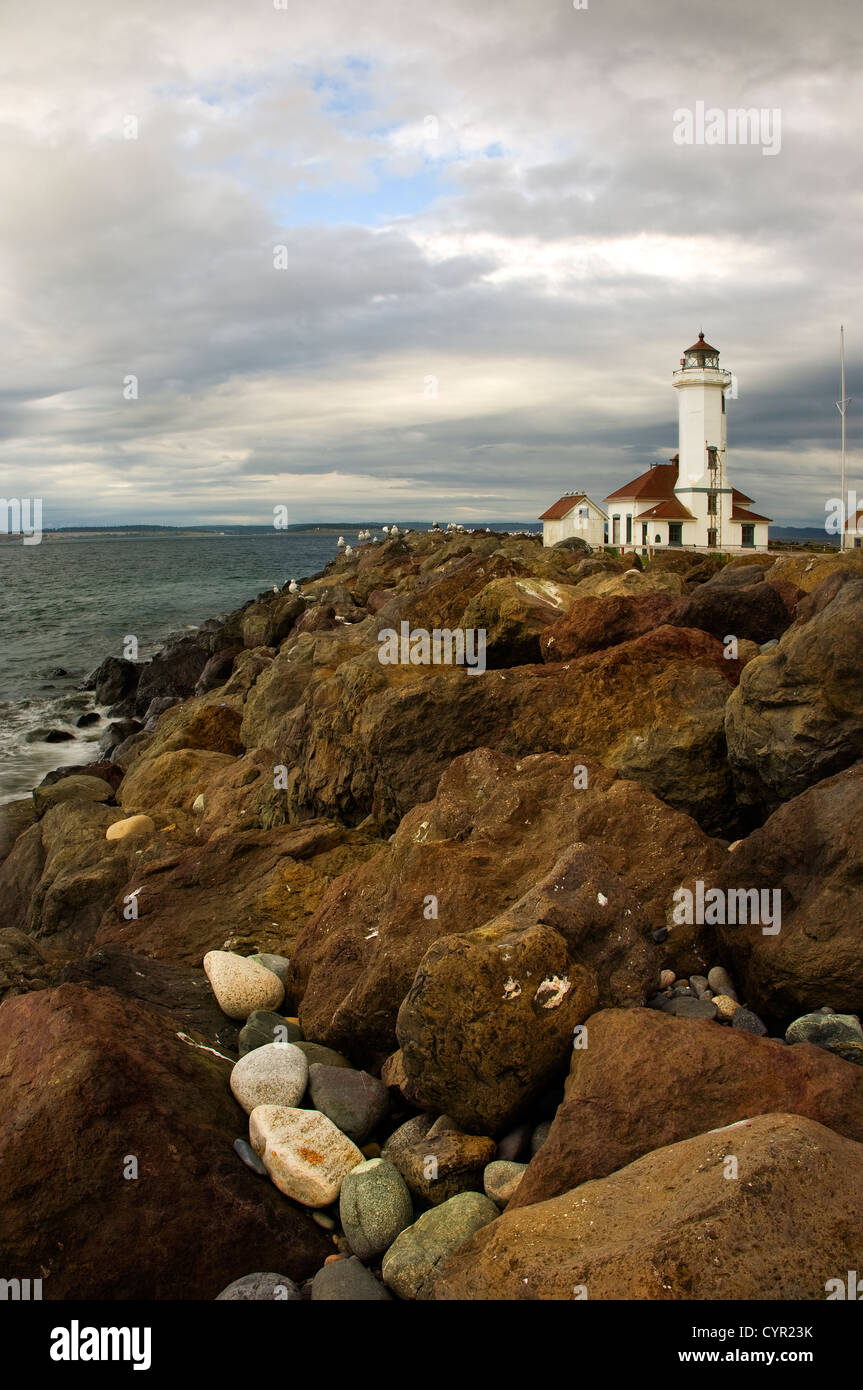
(552, 252)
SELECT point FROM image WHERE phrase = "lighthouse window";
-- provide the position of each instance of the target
(711, 504)
(723, 402)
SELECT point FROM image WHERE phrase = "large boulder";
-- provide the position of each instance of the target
(173, 671)
(267, 623)
(115, 1125)
(756, 611)
(61, 872)
(114, 680)
(170, 780)
(797, 714)
(809, 571)
(494, 830)
(250, 891)
(488, 1022)
(810, 851)
(182, 993)
(15, 817)
(681, 1224)
(514, 613)
(644, 1079)
(598, 621)
(368, 737)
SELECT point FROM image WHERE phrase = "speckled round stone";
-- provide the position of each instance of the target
(726, 1007)
(501, 1179)
(748, 1022)
(412, 1264)
(259, 1287)
(240, 985)
(303, 1152)
(276, 1074)
(374, 1207)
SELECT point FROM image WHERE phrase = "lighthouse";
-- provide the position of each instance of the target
(702, 482)
(686, 502)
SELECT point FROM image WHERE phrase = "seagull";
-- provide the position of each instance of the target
(349, 550)
(341, 543)
(394, 530)
(293, 587)
(386, 530)
(275, 588)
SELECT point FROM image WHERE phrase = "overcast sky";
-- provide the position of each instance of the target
(486, 199)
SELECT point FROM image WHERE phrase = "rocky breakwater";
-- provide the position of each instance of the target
(347, 978)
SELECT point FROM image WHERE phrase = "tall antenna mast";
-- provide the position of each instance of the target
(842, 406)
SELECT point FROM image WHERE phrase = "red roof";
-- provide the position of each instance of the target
(744, 514)
(657, 483)
(564, 506)
(701, 346)
(739, 498)
(671, 510)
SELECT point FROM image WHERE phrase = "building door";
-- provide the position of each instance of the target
(711, 536)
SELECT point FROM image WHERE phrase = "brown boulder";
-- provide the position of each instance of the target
(514, 613)
(494, 829)
(170, 780)
(371, 738)
(181, 992)
(15, 817)
(598, 621)
(488, 1022)
(89, 1083)
(245, 892)
(674, 1226)
(810, 850)
(269, 621)
(797, 714)
(645, 1079)
(755, 611)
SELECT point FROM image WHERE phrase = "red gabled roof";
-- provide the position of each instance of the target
(744, 514)
(671, 510)
(658, 482)
(563, 507)
(739, 498)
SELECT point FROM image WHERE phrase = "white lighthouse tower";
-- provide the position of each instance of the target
(702, 483)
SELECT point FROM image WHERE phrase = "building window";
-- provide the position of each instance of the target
(628, 530)
(747, 535)
(711, 536)
(615, 530)
(711, 503)
(675, 533)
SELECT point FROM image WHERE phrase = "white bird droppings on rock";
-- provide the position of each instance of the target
(552, 991)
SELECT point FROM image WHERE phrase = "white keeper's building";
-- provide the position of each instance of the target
(686, 502)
